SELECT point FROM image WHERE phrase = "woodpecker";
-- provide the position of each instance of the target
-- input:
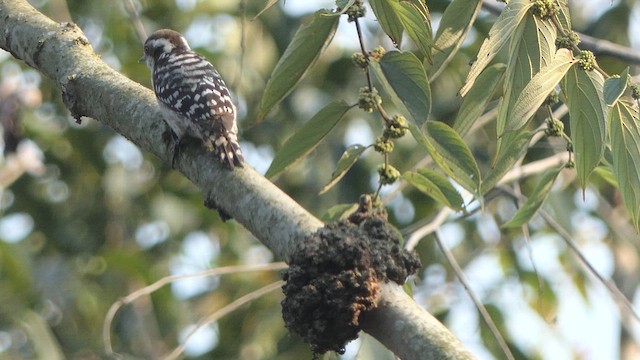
(194, 99)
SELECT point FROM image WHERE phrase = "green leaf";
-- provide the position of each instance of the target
(477, 98)
(584, 90)
(308, 43)
(615, 86)
(307, 137)
(499, 34)
(338, 212)
(537, 90)
(456, 21)
(625, 146)
(514, 146)
(435, 186)
(414, 17)
(535, 200)
(384, 11)
(450, 153)
(348, 158)
(404, 79)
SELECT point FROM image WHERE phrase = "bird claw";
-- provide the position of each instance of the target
(177, 143)
(177, 147)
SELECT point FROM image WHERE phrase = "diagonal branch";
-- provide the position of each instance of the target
(91, 89)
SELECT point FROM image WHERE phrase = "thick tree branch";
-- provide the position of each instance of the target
(91, 89)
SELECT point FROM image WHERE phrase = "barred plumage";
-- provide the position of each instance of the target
(194, 98)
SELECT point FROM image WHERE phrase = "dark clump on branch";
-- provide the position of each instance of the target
(334, 277)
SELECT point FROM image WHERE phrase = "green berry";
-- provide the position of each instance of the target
(544, 9)
(360, 60)
(383, 145)
(388, 174)
(587, 60)
(369, 99)
(568, 42)
(396, 128)
(355, 11)
(635, 91)
(377, 53)
(553, 98)
(555, 127)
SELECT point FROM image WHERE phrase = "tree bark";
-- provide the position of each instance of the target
(92, 89)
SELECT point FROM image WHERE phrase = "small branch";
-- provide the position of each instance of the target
(134, 16)
(428, 229)
(467, 286)
(364, 52)
(520, 172)
(625, 305)
(175, 354)
(149, 289)
(535, 167)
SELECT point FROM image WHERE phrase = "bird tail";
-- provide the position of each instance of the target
(228, 150)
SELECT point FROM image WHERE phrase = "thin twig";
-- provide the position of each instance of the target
(535, 167)
(364, 52)
(106, 329)
(428, 229)
(520, 172)
(223, 312)
(467, 286)
(527, 242)
(623, 302)
(134, 15)
(242, 9)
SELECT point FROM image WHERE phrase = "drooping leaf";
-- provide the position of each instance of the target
(514, 146)
(535, 200)
(605, 172)
(344, 5)
(435, 186)
(450, 153)
(499, 35)
(615, 86)
(266, 7)
(416, 21)
(348, 158)
(532, 47)
(307, 137)
(476, 100)
(585, 99)
(537, 90)
(403, 77)
(625, 146)
(454, 26)
(308, 43)
(384, 11)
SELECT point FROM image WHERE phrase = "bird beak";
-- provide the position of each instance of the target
(142, 58)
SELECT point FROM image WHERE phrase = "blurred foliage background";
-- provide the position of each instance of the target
(86, 217)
